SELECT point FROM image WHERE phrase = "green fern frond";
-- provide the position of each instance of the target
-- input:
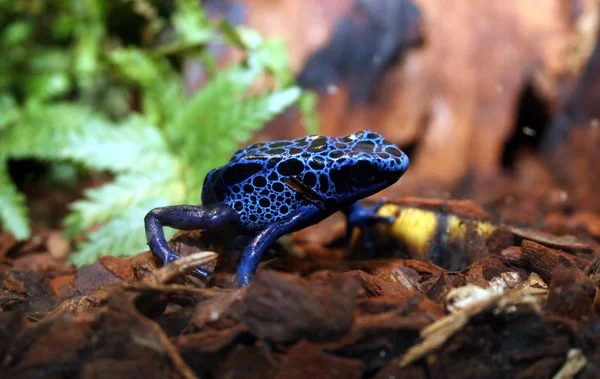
(122, 236)
(41, 128)
(272, 56)
(163, 89)
(228, 125)
(197, 119)
(9, 110)
(217, 118)
(191, 23)
(13, 210)
(235, 125)
(63, 131)
(132, 146)
(257, 110)
(139, 67)
(116, 199)
(158, 156)
(307, 104)
(175, 184)
(121, 201)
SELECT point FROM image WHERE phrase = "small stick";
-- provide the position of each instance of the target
(180, 266)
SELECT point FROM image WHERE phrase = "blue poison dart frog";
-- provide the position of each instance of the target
(274, 188)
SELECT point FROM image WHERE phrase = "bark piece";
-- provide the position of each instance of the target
(569, 243)
(246, 362)
(70, 345)
(394, 370)
(377, 338)
(544, 260)
(571, 294)
(92, 277)
(25, 291)
(206, 351)
(7, 243)
(374, 286)
(305, 360)
(284, 309)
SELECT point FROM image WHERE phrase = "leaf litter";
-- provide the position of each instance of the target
(523, 309)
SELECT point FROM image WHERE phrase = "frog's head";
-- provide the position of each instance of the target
(364, 163)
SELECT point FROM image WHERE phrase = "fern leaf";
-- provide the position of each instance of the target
(191, 23)
(233, 127)
(13, 210)
(119, 197)
(134, 146)
(75, 132)
(252, 114)
(123, 236)
(194, 127)
(40, 129)
(163, 90)
(307, 104)
(9, 110)
(216, 120)
(272, 56)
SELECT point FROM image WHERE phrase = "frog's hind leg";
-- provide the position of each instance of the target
(184, 217)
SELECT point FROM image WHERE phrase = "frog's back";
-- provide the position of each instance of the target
(254, 182)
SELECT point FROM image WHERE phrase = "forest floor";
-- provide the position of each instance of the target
(511, 301)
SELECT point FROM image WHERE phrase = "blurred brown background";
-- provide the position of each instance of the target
(469, 88)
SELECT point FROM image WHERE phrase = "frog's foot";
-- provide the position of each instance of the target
(363, 217)
(184, 217)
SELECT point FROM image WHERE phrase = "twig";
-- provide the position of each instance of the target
(180, 266)
(172, 288)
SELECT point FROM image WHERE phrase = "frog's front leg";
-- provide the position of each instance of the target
(363, 217)
(264, 239)
(184, 217)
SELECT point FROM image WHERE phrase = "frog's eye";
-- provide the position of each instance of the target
(363, 171)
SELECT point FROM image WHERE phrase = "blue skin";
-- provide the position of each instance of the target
(274, 188)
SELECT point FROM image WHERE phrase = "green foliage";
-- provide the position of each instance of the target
(67, 85)
(308, 107)
(12, 207)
